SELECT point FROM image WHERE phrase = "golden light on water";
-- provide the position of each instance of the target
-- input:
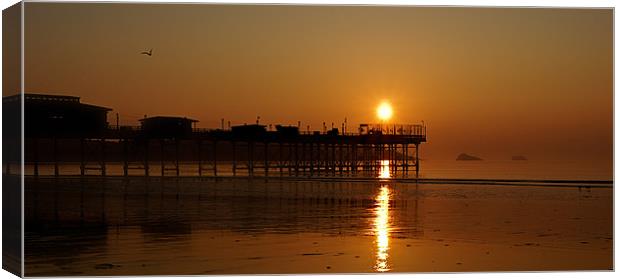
(384, 111)
(382, 229)
(384, 172)
(382, 217)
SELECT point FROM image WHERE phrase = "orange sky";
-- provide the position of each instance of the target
(492, 82)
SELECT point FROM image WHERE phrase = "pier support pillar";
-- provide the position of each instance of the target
(342, 147)
(215, 158)
(304, 160)
(199, 153)
(234, 158)
(311, 159)
(146, 157)
(417, 159)
(266, 154)
(333, 159)
(296, 159)
(125, 158)
(102, 161)
(175, 160)
(281, 157)
(405, 157)
(250, 158)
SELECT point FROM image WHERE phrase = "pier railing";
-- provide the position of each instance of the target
(417, 130)
(393, 129)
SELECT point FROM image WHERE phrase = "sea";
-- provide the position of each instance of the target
(384, 221)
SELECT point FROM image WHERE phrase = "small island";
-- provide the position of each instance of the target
(466, 157)
(519, 158)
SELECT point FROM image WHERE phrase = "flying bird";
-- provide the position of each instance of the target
(149, 53)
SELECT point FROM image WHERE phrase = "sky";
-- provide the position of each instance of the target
(492, 82)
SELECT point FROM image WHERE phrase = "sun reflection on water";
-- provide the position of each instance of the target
(382, 228)
(384, 172)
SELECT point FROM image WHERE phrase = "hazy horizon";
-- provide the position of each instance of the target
(493, 82)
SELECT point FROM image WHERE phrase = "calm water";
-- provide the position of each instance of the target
(115, 226)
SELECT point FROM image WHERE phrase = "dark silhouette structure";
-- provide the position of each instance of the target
(58, 116)
(167, 127)
(333, 132)
(287, 131)
(61, 129)
(249, 131)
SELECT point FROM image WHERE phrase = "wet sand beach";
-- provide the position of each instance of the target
(116, 226)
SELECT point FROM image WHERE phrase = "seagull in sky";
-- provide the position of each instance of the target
(149, 53)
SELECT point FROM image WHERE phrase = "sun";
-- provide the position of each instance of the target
(384, 111)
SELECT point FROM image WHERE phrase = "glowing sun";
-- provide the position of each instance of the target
(384, 111)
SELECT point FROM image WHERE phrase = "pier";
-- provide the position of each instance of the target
(265, 153)
(64, 133)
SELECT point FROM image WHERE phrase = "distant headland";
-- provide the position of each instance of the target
(467, 157)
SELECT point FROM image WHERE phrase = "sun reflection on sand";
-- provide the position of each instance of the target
(382, 228)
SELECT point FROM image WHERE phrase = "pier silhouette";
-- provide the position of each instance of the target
(61, 129)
